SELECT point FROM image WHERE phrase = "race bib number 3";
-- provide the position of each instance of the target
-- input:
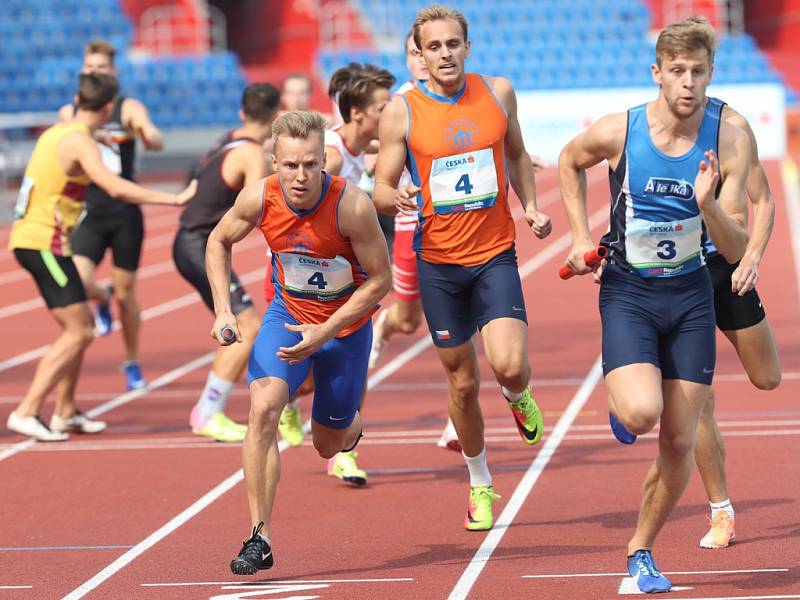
(321, 279)
(23, 198)
(662, 249)
(463, 182)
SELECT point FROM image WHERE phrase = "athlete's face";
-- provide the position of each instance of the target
(444, 50)
(296, 94)
(416, 66)
(369, 117)
(683, 80)
(299, 163)
(97, 63)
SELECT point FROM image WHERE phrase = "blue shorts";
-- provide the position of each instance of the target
(668, 322)
(339, 366)
(458, 301)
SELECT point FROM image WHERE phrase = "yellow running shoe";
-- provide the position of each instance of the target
(528, 417)
(721, 533)
(290, 426)
(221, 428)
(479, 509)
(344, 466)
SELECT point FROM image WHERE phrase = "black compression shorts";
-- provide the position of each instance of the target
(189, 254)
(56, 276)
(734, 312)
(123, 232)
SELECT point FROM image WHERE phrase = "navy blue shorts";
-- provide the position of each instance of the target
(668, 322)
(339, 366)
(458, 301)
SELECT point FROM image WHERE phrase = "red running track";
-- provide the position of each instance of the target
(148, 510)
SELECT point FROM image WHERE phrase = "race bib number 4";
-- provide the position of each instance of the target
(663, 249)
(321, 279)
(463, 182)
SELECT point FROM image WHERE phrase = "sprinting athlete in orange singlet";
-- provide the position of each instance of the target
(458, 133)
(330, 269)
(362, 92)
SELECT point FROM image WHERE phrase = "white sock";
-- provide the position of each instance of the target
(512, 396)
(724, 505)
(214, 397)
(478, 469)
(265, 538)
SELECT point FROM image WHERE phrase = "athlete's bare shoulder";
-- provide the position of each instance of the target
(394, 118)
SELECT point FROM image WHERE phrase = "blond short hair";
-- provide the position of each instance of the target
(100, 47)
(437, 12)
(299, 124)
(686, 37)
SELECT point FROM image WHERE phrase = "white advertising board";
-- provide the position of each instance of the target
(550, 118)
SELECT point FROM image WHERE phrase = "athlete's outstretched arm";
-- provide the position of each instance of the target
(745, 276)
(604, 140)
(520, 166)
(136, 118)
(392, 131)
(726, 220)
(358, 222)
(234, 225)
(81, 148)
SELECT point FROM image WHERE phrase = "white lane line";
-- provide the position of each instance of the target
(223, 487)
(16, 587)
(721, 572)
(216, 493)
(281, 582)
(495, 535)
(628, 586)
(147, 314)
(123, 399)
(159, 534)
(366, 441)
(415, 387)
(158, 268)
(791, 196)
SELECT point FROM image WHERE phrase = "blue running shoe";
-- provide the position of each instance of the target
(103, 319)
(133, 375)
(619, 431)
(646, 574)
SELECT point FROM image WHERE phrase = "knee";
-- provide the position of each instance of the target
(513, 372)
(81, 336)
(639, 420)
(463, 392)
(263, 417)
(409, 323)
(678, 444)
(125, 296)
(327, 448)
(766, 381)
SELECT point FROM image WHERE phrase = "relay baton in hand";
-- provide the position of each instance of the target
(592, 258)
(228, 334)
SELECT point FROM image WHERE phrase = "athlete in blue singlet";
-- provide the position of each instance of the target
(656, 300)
